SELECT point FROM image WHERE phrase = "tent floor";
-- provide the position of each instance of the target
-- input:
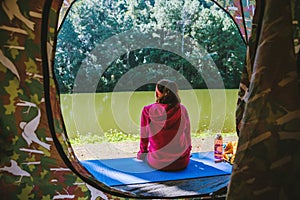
(182, 188)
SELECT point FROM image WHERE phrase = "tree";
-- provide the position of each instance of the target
(88, 23)
(218, 34)
(91, 22)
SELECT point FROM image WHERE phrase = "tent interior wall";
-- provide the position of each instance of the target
(37, 160)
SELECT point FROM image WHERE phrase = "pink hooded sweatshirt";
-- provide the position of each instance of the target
(165, 136)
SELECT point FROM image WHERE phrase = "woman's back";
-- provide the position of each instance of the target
(165, 134)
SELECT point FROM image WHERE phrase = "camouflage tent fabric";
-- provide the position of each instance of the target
(267, 164)
(37, 161)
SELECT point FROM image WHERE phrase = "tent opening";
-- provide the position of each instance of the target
(109, 56)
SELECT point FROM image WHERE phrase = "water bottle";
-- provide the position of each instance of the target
(218, 148)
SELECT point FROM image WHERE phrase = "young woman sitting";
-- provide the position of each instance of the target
(165, 138)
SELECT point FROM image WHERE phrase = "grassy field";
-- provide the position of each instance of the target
(94, 116)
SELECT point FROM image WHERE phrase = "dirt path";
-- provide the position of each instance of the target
(130, 149)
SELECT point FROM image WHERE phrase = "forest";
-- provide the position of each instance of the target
(190, 41)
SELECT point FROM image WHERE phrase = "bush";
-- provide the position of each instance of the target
(112, 135)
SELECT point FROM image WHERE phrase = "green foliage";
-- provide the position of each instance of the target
(91, 22)
(216, 32)
(88, 23)
(88, 138)
(112, 135)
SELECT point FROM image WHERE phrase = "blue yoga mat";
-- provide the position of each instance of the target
(125, 171)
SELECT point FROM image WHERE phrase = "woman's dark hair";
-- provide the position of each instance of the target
(169, 92)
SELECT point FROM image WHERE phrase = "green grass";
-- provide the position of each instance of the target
(111, 135)
(114, 135)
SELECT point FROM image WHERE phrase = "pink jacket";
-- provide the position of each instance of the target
(165, 136)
